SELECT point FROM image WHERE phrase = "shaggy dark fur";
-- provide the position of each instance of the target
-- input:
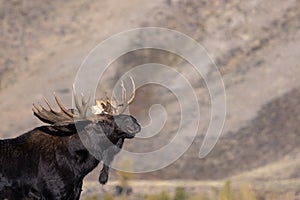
(50, 162)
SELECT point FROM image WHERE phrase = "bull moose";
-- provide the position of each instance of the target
(51, 161)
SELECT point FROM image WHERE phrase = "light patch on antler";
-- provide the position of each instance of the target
(111, 105)
(98, 108)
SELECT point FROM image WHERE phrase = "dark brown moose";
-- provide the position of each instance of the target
(50, 162)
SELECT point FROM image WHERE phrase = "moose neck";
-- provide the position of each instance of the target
(84, 160)
(66, 139)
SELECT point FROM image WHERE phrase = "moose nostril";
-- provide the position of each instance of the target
(130, 130)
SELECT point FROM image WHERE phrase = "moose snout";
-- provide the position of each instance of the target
(136, 128)
(131, 130)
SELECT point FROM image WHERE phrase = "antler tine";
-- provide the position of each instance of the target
(43, 108)
(36, 107)
(75, 98)
(50, 106)
(124, 103)
(133, 91)
(34, 110)
(84, 104)
(40, 109)
(114, 102)
(123, 93)
(62, 107)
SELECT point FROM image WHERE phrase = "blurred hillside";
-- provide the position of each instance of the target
(255, 44)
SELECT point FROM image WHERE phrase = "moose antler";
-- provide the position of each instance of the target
(85, 104)
(64, 115)
(111, 105)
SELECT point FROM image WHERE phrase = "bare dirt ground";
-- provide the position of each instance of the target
(255, 44)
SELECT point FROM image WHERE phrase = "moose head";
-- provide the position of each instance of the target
(103, 132)
(105, 111)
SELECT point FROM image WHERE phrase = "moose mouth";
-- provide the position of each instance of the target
(131, 132)
(128, 135)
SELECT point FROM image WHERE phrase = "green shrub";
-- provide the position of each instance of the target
(198, 196)
(91, 198)
(108, 196)
(122, 197)
(161, 196)
(226, 192)
(180, 194)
